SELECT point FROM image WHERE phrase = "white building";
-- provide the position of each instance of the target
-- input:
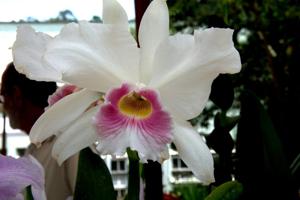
(174, 172)
(16, 140)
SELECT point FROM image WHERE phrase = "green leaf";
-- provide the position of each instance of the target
(223, 121)
(256, 124)
(133, 176)
(191, 191)
(221, 141)
(153, 180)
(227, 191)
(28, 193)
(295, 166)
(260, 157)
(93, 178)
(222, 93)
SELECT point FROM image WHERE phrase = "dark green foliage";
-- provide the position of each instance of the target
(271, 40)
(133, 176)
(222, 93)
(28, 193)
(191, 191)
(267, 37)
(153, 181)
(221, 141)
(261, 165)
(231, 190)
(93, 178)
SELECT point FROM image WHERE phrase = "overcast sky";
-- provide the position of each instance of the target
(45, 9)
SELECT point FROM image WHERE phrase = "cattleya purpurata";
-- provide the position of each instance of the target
(150, 91)
(17, 174)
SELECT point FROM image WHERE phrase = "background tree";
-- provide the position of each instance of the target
(268, 41)
(63, 17)
(66, 15)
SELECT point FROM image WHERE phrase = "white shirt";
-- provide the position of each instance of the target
(59, 180)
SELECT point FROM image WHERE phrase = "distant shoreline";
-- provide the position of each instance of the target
(45, 22)
(49, 22)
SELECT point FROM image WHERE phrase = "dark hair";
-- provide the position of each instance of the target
(36, 91)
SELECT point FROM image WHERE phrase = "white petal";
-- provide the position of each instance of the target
(186, 97)
(146, 146)
(113, 13)
(79, 135)
(185, 66)
(28, 52)
(154, 28)
(95, 56)
(115, 145)
(218, 48)
(194, 152)
(61, 114)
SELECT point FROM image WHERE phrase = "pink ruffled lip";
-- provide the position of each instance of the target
(135, 113)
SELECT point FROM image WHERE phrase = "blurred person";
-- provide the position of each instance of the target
(24, 101)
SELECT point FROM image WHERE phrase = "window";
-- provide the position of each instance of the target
(114, 165)
(178, 164)
(121, 193)
(118, 165)
(180, 172)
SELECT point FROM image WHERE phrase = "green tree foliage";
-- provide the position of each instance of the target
(267, 37)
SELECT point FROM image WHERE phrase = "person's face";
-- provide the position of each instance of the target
(10, 105)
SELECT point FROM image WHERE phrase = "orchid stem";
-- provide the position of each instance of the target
(133, 176)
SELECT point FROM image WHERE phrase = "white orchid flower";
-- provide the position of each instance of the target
(151, 90)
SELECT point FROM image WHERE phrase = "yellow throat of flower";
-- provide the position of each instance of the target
(135, 105)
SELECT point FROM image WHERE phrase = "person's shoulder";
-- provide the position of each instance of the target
(30, 149)
(41, 152)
